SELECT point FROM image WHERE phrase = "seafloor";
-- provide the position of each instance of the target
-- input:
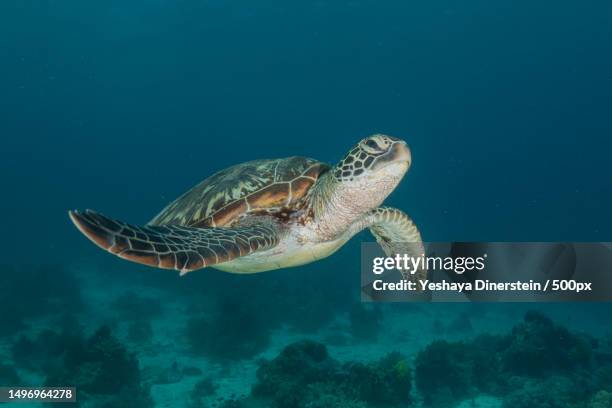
(132, 337)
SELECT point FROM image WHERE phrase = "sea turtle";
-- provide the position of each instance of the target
(270, 214)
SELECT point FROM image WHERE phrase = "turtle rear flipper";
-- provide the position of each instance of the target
(184, 249)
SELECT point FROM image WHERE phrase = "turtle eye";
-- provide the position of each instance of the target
(371, 146)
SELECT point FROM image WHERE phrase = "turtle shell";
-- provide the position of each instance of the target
(248, 187)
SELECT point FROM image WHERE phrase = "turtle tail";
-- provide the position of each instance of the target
(184, 249)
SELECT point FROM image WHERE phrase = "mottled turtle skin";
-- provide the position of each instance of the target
(272, 186)
(270, 214)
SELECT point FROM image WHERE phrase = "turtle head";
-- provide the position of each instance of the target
(375, 159)
(370, 171)
(360, 182)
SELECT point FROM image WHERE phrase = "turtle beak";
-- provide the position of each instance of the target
(400, 152)
(397, 157)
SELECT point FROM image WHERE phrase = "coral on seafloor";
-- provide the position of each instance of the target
(386, 382)
(445, 372)
(286, 378)
(234, 332)
(538, 364)
(103, 371)
(603, 350)
(603, 375)
(303, 375)
(44, 351)
(537, 347)
(202, 390)
(554, 392)
(603, 399)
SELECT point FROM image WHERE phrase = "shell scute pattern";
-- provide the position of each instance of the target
(249, 187)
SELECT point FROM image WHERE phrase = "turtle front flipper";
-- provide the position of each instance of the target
(184, 249)
(397, 234)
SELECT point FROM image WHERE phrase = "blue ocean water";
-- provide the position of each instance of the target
(120, 106)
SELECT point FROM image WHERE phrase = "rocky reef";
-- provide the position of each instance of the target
(539, 347)
(539, 363)
(304, 375)
(103, 371)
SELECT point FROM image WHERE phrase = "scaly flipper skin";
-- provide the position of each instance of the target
(184, 249)
(396, 233)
